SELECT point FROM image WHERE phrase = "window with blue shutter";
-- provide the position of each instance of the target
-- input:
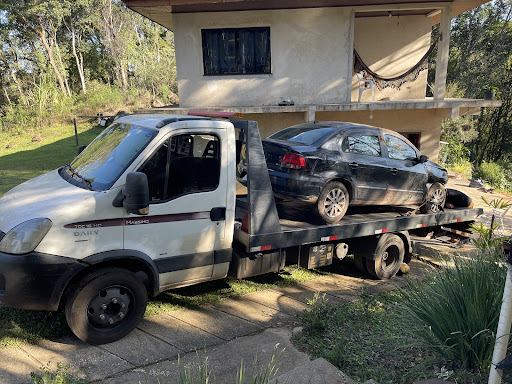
(236, 51)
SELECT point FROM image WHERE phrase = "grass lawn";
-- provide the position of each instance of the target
(29, 153)
(371, 340)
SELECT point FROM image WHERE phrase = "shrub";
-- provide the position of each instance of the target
(493, 174)
(463, 167)
(456, 311)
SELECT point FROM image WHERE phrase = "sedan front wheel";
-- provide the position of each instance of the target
(435, 199)
(333, 202)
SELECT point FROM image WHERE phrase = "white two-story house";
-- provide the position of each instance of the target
(292, 61)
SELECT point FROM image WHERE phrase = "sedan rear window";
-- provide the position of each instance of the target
(362, 144)
(305, 134)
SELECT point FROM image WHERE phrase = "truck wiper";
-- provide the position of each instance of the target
(74, 174)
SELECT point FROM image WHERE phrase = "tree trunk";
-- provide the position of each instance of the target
(49, 51)
(18, 85)
(124, 75)
(7, 97)
(79, 60)
(65, 77)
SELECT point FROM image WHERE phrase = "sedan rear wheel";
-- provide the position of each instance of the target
(333, 202)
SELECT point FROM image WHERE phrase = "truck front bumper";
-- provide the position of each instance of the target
(35, 280)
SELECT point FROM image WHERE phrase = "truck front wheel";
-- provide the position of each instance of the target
(388, 257)
(106, 305)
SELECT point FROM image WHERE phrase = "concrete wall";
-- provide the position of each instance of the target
(390, 46)
(311, 56)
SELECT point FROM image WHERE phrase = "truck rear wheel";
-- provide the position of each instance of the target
(389, 255)
(106, 305)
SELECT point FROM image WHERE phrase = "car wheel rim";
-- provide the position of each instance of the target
(110, 306)
(436, 200)
(389, 258)
(334, 203)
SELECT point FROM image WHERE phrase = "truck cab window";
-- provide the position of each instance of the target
(155, 169)
(188, 163)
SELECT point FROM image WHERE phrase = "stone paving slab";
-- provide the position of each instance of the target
(218, 323)
(307, 294)
(253, 312)
(319, 371)
(180, 334)
(279, 300)
(165, 372)
(224, 359)
(140, 348)
(16, 365)
(85, 361)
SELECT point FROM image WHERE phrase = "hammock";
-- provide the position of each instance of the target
(397, 81)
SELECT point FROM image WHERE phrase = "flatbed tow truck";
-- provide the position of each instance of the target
(151, 205)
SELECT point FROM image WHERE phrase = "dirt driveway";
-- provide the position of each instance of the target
(477, 193)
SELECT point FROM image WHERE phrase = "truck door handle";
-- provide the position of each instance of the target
(394, 171)
(218, 214)
(353, 165)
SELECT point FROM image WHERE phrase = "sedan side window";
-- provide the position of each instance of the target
(362, 144)
(399, 149)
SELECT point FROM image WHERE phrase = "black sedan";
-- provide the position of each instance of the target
(330, 165)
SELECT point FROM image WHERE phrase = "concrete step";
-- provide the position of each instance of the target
(318, 371)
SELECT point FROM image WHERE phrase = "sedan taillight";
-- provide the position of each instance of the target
(294, 161)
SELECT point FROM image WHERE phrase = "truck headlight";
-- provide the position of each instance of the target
(25, 237)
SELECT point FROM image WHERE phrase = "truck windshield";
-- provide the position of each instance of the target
(107, 157)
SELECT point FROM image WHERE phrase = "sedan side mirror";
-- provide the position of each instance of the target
(423, 159)
(136, 193)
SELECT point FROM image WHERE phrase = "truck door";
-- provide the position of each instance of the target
(187, 187)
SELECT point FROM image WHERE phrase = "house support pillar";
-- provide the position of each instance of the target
(350, 58)
(443, 51)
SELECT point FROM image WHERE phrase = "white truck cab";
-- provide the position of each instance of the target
(55, 228)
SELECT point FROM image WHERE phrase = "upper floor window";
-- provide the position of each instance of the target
(236, 51)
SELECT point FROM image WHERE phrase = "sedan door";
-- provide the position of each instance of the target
(407, 177)
(363, 160)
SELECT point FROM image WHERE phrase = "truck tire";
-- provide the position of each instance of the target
(333, 202)
(106, 305)
(389, 255)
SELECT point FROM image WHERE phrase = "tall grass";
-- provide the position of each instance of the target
(456, 311)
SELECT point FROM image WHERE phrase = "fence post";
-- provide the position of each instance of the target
(76, 132)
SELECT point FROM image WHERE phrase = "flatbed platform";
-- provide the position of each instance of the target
(301, 226)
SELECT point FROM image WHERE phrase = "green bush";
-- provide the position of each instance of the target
(493, 174)
(463, 167)
(456, 311)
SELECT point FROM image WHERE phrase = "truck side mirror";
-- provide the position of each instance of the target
(423, 159)
(136, 193)
(81, 149)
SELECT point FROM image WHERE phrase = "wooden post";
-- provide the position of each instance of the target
(443, 51)
(76, 131)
